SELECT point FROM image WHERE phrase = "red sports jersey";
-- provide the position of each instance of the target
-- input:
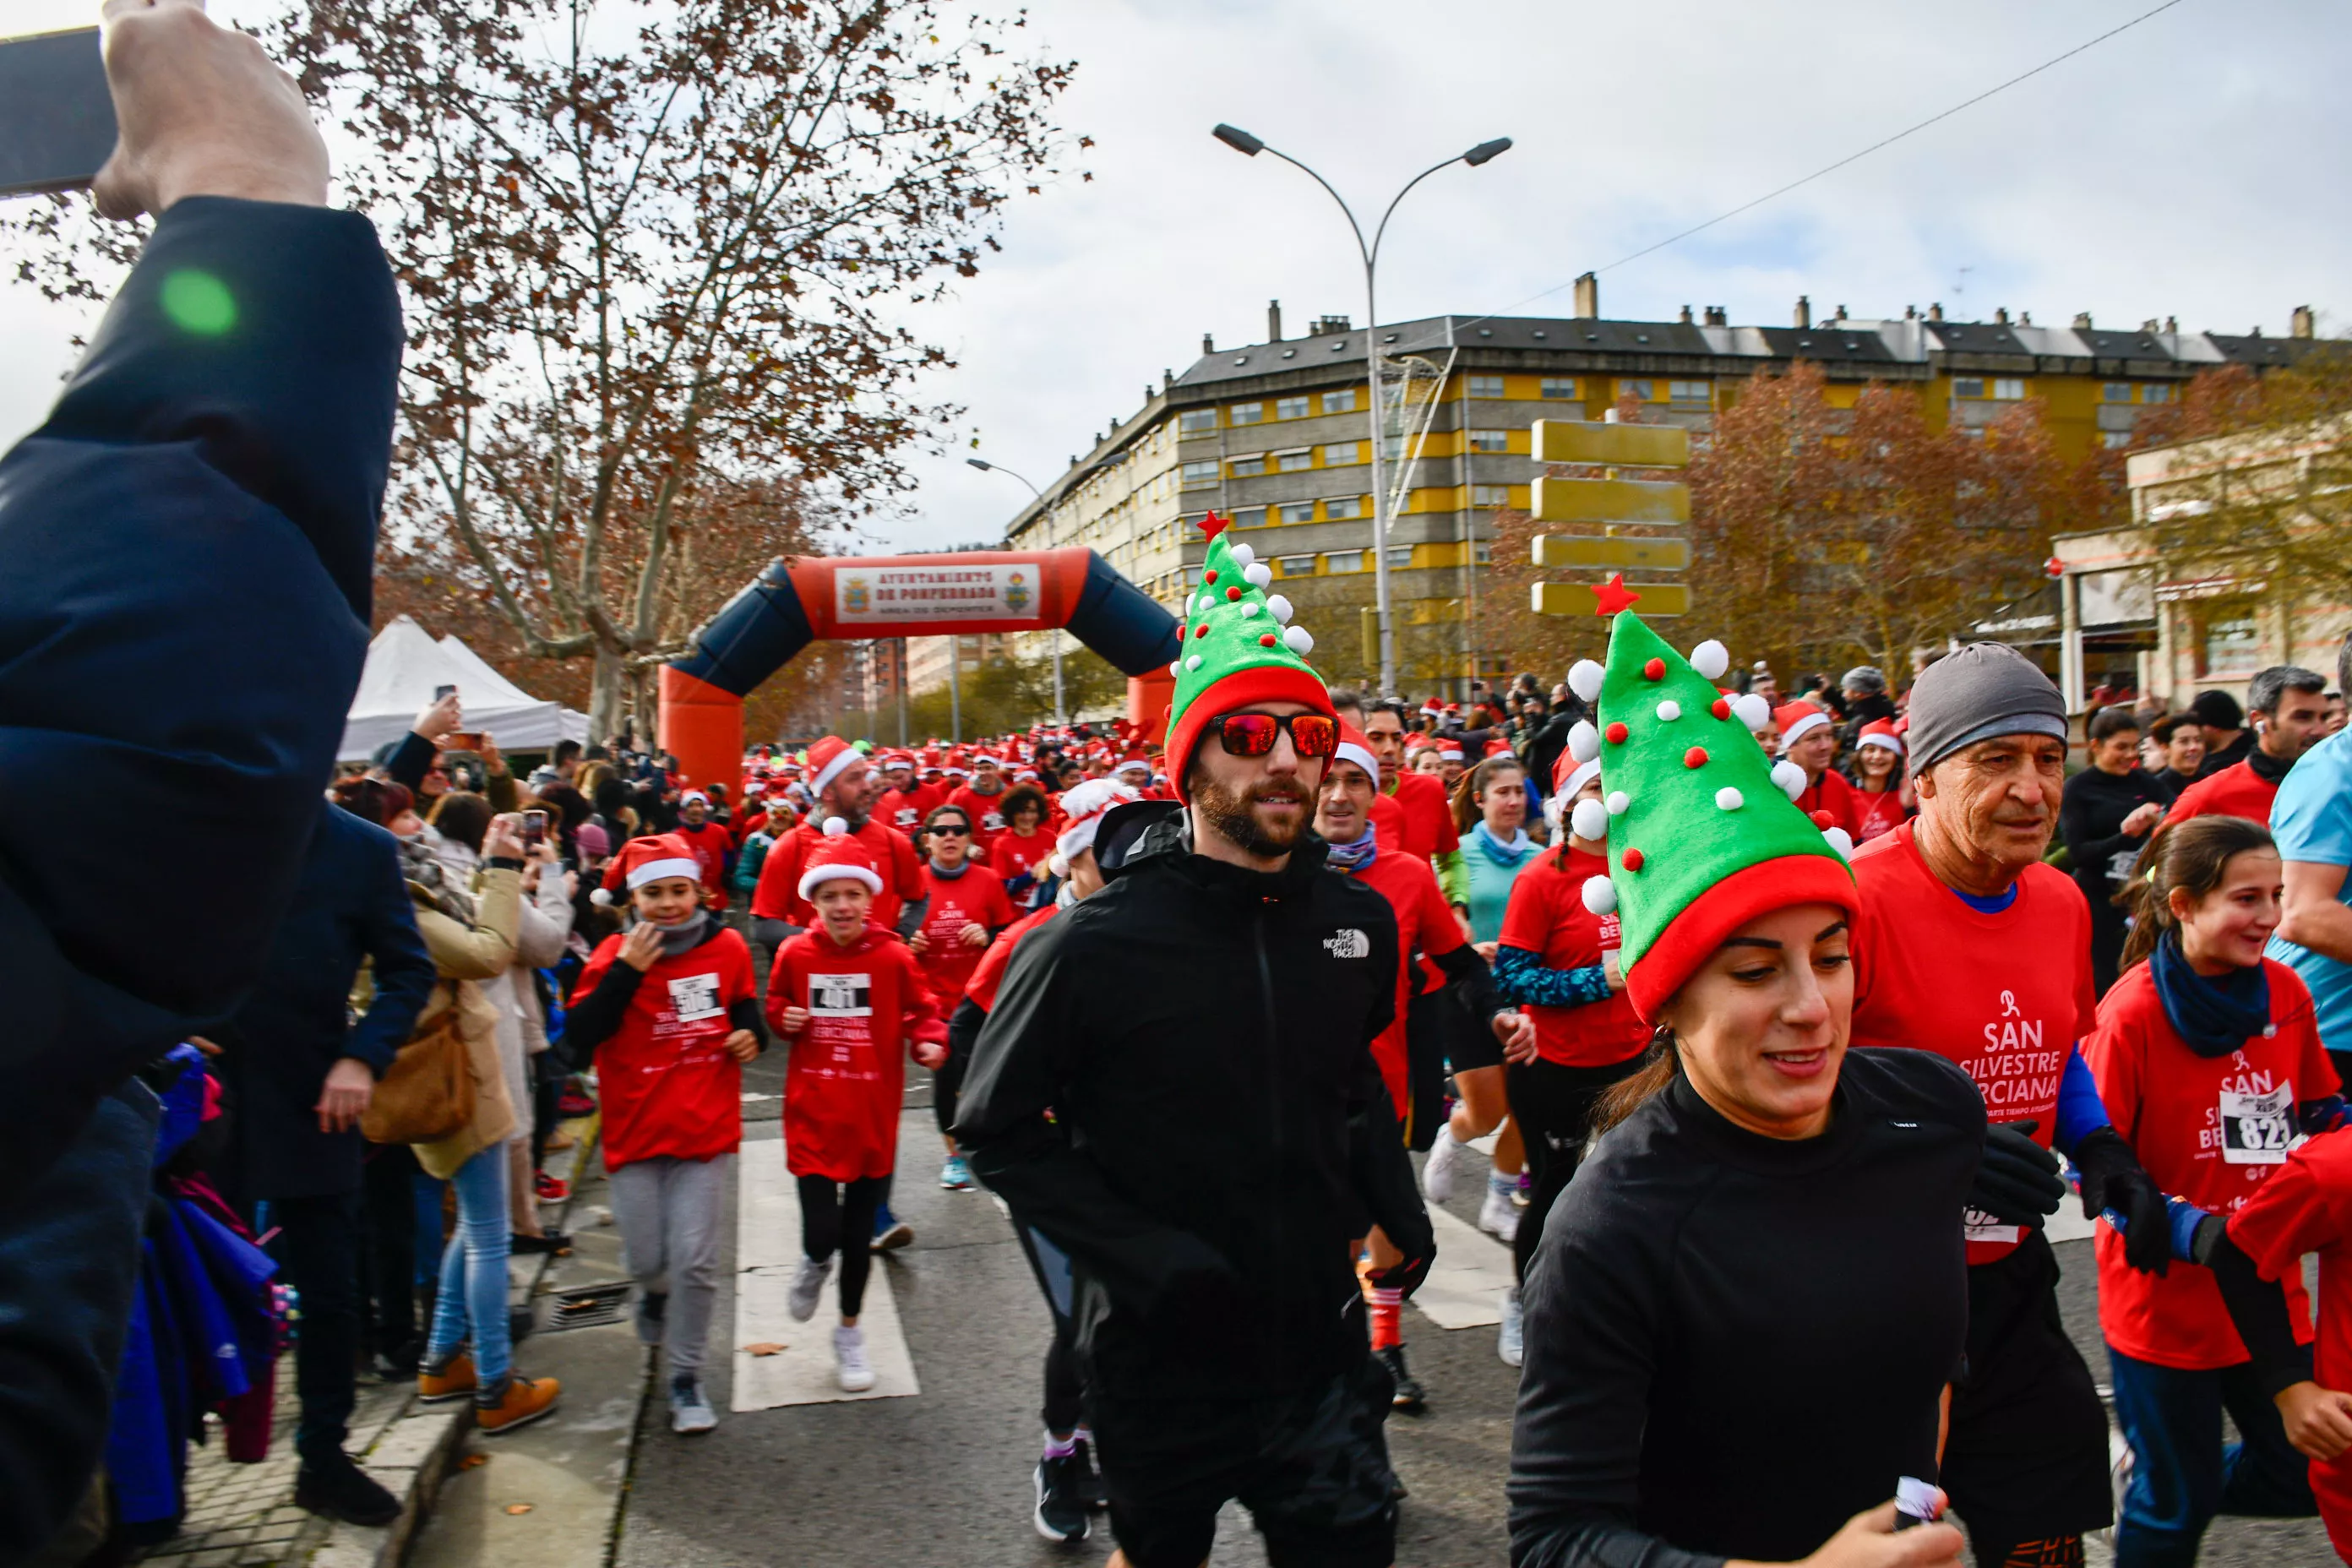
(1547, 917)
(2236, 791)
(1876, 813)
(977, 896)
(668, 1086)
(1422, 820)
(2004, 995)
(2306, 1206)
(711, 843)
(778, 897)
(847, 1072)
(2209, 1129)
(1832, 793)
(1425, 924)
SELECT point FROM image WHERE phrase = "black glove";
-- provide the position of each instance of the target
(2114, 1179)
(2016, 1180)
(1405, 1277)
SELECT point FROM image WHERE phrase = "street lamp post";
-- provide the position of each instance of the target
(1061, 708)
(1242, 141)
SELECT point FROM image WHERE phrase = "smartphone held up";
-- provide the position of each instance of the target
(57, 115)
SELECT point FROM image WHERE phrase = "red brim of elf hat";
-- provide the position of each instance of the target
(1693, 936)
(1242, 688)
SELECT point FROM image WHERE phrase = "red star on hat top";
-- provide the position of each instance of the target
(1613, 595)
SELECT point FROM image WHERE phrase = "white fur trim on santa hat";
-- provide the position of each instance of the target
(1880, 738)
(690, 796)
(1803, 726)
(834, 872)
(833, 769)
(1086, 804)
(645, 871)
(1582, 775)
(1349, 752)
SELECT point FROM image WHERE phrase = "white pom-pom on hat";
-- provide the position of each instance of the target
(1670, 711)
(1057, 866)
(1583, 740)
(1277, 606)
(1840, 839)
(1298, 640)
(1751, 710)
(1192, 661)
(1617, 802)
(1710, 658)
(1242, 554)
(1259, 573)
(1590, 819)
(1175, 666)
(1584, 678)
(1729, 799)
(601, 898)
(836, 827)
(1600, 894)
(1789, 778)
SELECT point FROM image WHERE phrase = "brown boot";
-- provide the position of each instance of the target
(523, 1401)
(454, 1380)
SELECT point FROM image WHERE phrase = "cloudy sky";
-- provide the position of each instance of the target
(2191, 167)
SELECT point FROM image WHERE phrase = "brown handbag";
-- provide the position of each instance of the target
(428, 1091)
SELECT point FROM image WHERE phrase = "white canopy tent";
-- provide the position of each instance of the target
(405, 665)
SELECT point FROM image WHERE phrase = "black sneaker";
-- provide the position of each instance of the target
(340, 1490)
(1408, 1394)
(1061, 1516)
(1090, 1485)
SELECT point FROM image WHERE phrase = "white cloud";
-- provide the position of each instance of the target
(2179, 169)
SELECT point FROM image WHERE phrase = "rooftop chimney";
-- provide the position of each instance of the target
(1686, 315)
(1840, 313)
(1935, 312)
(1804, 310)
(1274, 321)
(1717, 316)
(2082, 321)
(2301, 324)
(1910, 312)
(1166, 377)
(1208, 344)
(2000, 314)
(2172, 323)
(2149, 325)
(1588, 296)
(2025, 317)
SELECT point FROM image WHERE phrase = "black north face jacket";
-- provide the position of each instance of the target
(1176, 1086)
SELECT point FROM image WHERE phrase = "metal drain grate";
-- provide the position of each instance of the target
(584, 1306)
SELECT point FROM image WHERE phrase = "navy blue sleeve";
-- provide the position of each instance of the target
(404, 976)
(411, 761)
(183, 619)
(2081, 1112)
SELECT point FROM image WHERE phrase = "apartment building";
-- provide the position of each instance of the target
(1277, 435)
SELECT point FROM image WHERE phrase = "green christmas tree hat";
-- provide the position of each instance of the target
(1239, 648)
(1703, 828)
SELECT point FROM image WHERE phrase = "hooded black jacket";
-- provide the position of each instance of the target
(1218, 1129)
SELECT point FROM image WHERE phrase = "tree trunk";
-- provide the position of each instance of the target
(605, 696)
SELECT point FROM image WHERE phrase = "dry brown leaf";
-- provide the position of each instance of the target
(518, 1507)
(471, 1460)
(765, 1347)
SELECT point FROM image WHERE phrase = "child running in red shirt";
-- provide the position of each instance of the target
(2208, 1057)
(848, 995)
(672, 1011)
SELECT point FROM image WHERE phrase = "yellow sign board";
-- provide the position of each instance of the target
(1588, 555)
(1610, 501)
(1616, 446)
(1577, 599)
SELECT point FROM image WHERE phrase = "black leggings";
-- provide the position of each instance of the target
(1553, 1106)
(1064, 1389)
(835, 1218)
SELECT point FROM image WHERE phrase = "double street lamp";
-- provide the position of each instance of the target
(1240, 141)
(1061, 708)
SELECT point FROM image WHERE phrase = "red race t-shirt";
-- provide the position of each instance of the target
(903, 809)
(2209, 1129)
(1547, 917)
(1425, 924)
(2306, 1206)
(982, 987)
(1012, 856)
(1832, 793)
(711, 843)
(1421, 820)
(668, 1084)
(2236, 791)
(2005, 995)
(947, 960)
(847, 1072)
(986, 811)
(778, 896)
(1876, 814)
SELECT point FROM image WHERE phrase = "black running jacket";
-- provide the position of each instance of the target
(1176, 1086)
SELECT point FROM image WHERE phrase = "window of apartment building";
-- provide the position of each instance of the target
(1560, 386)
(1340, 454)
(1701, 392)
(1249, 517)
(1490, 495)
(1295, 565)
(1200, 475)
(1339, 402)
(2158, 393)
(1245, 468)
(2009, 388)
(1392, 448)
(1483, 552)
(1638, 391)
(1248, 413)
(1400, 555)
(2114, 439)
(1485, 385)
(2229, 641)
(2115, 392)
(1295, 511)
(1967, 386)
(1290, 408)
(1294, 460)
(1197, 421)
(1344, 561)
(1340, 507)
(1490, 440)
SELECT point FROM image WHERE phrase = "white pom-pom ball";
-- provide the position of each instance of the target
(1243, 554)
(1840, 839)
(1670, 711)
(1600, 894)
(1277, 606)
(1584, 678)
(1249, 609)
(1710, 658)
(1193, 662)
(836, 827)
(1175, 666)
(1590, 819)
(1259, 576)
(1583, 740)
(1789, 778)
(1296, 640)
(1751, 709)
(1729, 799)
(1618, 801)
(601, 898)
(1059, 866)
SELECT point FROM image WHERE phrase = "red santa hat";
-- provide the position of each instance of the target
(642, 860)
(690, 796)
(840, 855)
(1795, 719)
(1880, 733)
(827, 759)
(1084, 806)
(1356, 747)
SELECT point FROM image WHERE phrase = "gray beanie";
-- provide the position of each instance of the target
(1986, 688)
(1862, 677)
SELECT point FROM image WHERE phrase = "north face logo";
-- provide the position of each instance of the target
(1349, 943)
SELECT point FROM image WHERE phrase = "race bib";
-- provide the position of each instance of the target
(2257, 1129)
(1978, 1226)
(2119, 867)
(694, 997)
(841, 995)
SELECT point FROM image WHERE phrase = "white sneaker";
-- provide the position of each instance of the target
(1509, 1345)
(689, 1407)
(1437, 1171)
(1498, 1216)
(849, 1352)
(807, 1286)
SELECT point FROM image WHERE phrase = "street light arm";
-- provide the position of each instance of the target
(983, 463)
(1374, 254)
(1361, 249)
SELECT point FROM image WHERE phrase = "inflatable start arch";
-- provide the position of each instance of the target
(798, 600)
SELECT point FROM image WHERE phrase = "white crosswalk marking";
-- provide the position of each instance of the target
(766, 1254)
(1465, 1285)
